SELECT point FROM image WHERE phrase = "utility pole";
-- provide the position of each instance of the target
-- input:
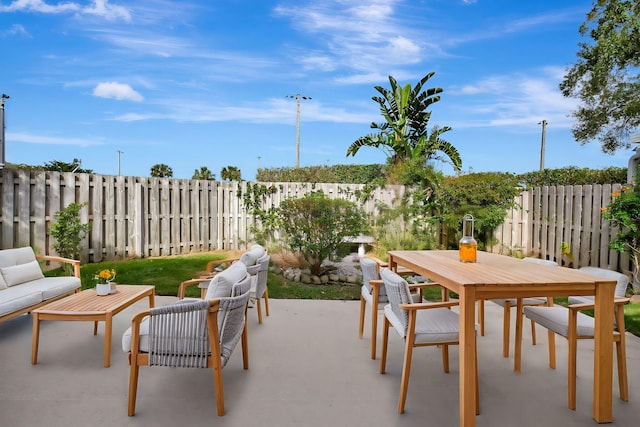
(297, 97)
(119, 152)
(2, 127)
(544, 133)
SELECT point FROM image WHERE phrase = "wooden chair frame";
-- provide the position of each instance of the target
(410, 345)
(573, 337)
(137, 358)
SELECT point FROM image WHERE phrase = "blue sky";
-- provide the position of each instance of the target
(204, 83)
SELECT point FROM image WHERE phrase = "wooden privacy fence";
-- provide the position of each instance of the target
(546, 217)
(142, 217)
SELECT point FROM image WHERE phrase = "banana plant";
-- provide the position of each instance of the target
(404, 133)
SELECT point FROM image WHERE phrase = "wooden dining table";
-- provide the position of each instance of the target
(496, 276)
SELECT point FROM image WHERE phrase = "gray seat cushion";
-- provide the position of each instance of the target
(556, 318)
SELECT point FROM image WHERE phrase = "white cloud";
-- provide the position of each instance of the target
(115, 90)
(363, 38)
(51, 140)
(515, 100)
(101, 8)
(14, 30)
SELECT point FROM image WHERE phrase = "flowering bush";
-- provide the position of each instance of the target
(105, 276)
(624, 212)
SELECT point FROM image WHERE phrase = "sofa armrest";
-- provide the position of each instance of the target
(75, 263)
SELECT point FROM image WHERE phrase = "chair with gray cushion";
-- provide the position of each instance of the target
(259, 289)
(373, 294)
(189, 334)
(419, 324)
(573, 325)
(508, 303)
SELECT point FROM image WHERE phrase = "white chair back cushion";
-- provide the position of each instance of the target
(222, 283)
(397, 293)
(622, 280)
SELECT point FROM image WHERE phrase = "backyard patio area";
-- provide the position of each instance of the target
(307, 368)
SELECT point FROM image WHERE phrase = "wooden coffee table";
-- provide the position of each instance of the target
(87, 306)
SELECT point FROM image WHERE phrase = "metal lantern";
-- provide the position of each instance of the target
(468, 246)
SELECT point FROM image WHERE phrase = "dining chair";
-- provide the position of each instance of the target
(259, 288)
(419, 324)
(373, 293)
(508, 303)
(573, 325)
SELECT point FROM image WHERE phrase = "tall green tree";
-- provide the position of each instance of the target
(606, 76)
(204, 173)
(230, 173)
(161, 170)
(404, 134)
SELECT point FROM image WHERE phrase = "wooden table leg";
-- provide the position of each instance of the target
(107, 339)
(152, 302)
(467, 357)
(603, 356)
(35, 338)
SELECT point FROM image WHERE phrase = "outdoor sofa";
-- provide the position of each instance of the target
(24, 288)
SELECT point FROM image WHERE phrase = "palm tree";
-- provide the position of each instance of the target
(204, 173)
(161, 170)
(404, 134)
(231, 173)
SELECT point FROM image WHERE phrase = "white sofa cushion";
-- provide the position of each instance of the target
(16, 298)
(21, 273)
(52, 287)
(15, 256)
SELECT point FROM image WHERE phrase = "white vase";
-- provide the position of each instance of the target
(103, 288)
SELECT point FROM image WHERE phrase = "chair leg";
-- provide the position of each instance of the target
(622, 369)
(259, 307)
(266, 302)
(245, 347)
(374, 327)
(363, 305)
(533, 331)
(621, 352)
(133, 384)
(406, 364)
(445, 357)
(385, 341)
(217, 381)
(506, 325)
(551, 338)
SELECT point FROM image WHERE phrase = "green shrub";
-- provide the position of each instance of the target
(315, 225)
(572, 175)
(344, 174)
(69, 231)
(486, 196)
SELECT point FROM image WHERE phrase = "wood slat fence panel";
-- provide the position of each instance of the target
(142, 217)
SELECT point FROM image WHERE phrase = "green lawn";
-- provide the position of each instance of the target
(166, 274)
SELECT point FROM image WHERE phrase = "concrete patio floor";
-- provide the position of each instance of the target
(307, 368)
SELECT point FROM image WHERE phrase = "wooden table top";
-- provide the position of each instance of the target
(496, 273)
(88, 301)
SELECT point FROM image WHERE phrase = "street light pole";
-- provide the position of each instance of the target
(119, 152)
(2, 140)
(297, 97)
(544, 133)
